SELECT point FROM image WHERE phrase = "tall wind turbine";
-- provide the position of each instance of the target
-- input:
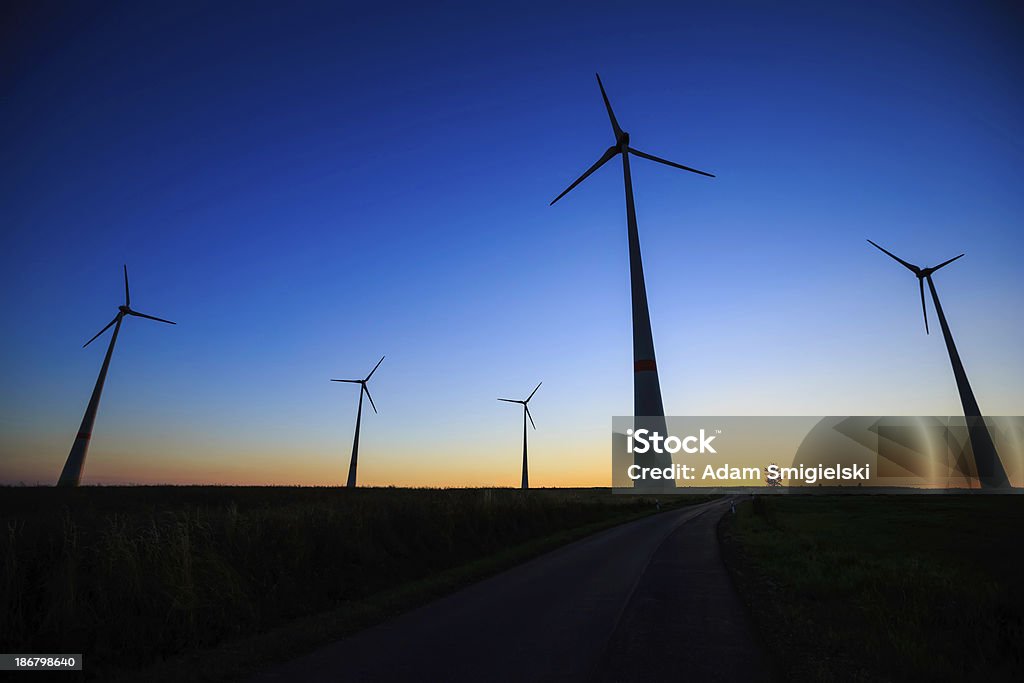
(526, 414)
(990, 468)
(71, 475)
(359, 416)
(646, 385)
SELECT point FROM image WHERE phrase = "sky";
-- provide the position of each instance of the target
(305, 187)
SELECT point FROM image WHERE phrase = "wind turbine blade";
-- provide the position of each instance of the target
(102, 331)
(127, 297)
(645, 155)
(910, 266)
(351, 381)
(533, 392)
(945, 263)
(609, 153)
(509, 400)
(374, 369)
(369, 397)
(528, 415)
(924, 310)
(608, 106)
(151, 317)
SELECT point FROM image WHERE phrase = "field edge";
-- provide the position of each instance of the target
(246, 657)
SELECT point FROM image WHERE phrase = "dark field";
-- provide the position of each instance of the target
(884, 588)
(134, 576)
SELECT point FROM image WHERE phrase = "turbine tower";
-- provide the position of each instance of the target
(71, 475)
(359, 416)
(526, 414)
(646, 385)
(990, 468)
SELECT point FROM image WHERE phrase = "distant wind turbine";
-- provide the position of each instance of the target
(526, 414)
(359, 416)
(71, 475)
(990, 468)
(646, 385)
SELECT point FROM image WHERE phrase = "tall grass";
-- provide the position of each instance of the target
(886, 587)
(132, 576)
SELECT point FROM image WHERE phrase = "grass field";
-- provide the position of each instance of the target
(884, 588)
(132, 577)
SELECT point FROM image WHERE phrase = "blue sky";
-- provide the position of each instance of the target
(304, 188)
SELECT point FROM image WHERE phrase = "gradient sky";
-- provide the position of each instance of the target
(305, 187)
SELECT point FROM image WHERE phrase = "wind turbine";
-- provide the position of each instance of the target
(990, 468)
(359, 416)
(646, 385)
(71, 475)
(526, 414)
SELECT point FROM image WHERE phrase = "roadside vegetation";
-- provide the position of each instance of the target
(136, 577)
(884, 588)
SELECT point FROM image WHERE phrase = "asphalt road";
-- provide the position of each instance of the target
(644, 601)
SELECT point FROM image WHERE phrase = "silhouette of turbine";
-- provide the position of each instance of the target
(646, 385)
(526, 414)
(990, 468)
(71, 475)
(359, 416)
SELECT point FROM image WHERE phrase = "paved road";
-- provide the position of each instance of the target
(648, 600)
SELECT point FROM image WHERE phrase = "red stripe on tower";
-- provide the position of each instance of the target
(644, 366)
